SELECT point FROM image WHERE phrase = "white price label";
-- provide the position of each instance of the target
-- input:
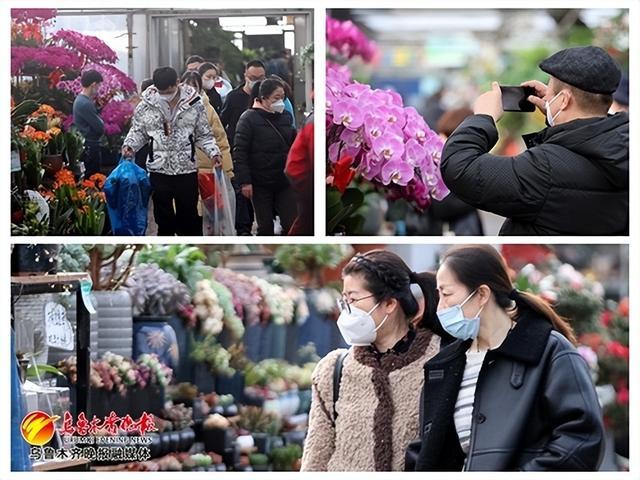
(58, 328)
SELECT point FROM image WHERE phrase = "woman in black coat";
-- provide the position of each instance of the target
(261, 144)
(511, 392)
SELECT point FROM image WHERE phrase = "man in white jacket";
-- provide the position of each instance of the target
(171, 119)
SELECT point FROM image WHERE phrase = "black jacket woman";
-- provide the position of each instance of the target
(261, 144)
(512, 392)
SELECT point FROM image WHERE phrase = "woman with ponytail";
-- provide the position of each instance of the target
(511, 392)
(366, 400)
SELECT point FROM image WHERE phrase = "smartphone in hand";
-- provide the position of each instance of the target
(514, 99)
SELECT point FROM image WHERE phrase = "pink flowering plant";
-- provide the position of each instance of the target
(49, 66)
(346, 40)
(373, 139)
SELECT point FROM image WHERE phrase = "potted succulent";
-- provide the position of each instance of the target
(218, 436)
(259, 462)
(287, 458)
(261, 424)
(156, 295)
(307, 262)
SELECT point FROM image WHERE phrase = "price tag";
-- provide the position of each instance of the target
(59, 330)
(85, 289)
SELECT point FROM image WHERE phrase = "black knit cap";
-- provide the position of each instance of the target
(588, 68)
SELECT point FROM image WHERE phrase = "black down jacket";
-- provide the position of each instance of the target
(535, 407)
(260, 148)
(572, 180)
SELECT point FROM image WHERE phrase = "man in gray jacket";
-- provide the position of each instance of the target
(171, 119)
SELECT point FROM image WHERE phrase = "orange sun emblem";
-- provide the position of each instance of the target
(38, 428)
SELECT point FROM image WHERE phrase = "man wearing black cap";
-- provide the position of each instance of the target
(573, 179)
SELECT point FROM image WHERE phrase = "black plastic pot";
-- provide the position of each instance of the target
(187, 437)
(262, 441)
(174, 441)
(217, 440)
(165, 443)
(155, 447)
(34, 259)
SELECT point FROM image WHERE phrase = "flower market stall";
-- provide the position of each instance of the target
(200, 358)
(214, 355)
(49, 192)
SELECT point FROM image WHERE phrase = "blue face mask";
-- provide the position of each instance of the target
(455, 324)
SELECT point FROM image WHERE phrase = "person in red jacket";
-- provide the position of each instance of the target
(299, 169)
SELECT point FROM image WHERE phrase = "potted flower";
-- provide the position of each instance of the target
(307, 262)
(156, 295)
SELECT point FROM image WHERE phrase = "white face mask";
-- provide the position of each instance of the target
(208, 84)
(167, 97)
(358, 327)
(251, 83)
(278, 106)
(547, 105)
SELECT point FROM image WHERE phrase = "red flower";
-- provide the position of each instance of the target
(606, 317)
(592, 340)
(622, 396)
(343, 173)
(616, 349)
(54, 77)
(623, 307)
(17, 216)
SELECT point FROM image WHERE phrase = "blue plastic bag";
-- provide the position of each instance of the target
(128, 190)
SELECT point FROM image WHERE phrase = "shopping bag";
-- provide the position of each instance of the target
(127, 189)
(219, 202)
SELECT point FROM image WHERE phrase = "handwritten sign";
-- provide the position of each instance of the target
(59, 330)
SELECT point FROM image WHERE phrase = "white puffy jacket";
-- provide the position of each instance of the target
(172, 154)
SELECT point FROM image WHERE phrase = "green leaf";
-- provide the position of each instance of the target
(33, 370)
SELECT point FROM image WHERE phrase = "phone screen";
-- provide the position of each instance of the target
(514, 99)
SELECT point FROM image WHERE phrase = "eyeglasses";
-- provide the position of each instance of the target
(345, 305)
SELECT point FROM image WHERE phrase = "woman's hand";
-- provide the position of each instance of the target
(247, 191)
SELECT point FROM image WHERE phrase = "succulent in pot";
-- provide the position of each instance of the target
(155, 292)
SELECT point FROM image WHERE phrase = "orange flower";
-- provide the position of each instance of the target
(82, 194)
(65, 177)
(33, 134)
(98, 179)
(88, 184)
(54, 131)
(48, 110)
(100, 196)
